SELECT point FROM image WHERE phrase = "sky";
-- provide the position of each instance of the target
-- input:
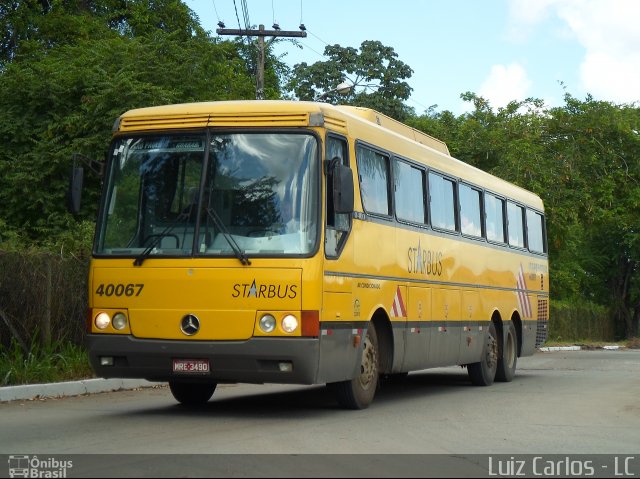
(502, 50)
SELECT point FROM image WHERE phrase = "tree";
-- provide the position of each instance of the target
(66, 100)
(31, 26)
(375, 72)
(597, 146)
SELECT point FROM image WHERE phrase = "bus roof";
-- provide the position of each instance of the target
(203, 114)
(397, 127)
(361, 123)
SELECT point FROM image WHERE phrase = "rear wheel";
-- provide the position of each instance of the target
(507, 363)
(358, 393)
(192, 394)
(484, 372)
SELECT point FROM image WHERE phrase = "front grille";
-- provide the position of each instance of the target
(203, 120)
(163, 122)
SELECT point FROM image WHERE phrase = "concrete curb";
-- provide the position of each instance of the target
(579, 348)
(560, 348)
(71, 388)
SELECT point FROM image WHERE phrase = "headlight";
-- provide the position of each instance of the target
(119, 321)
(267, 323)
(289, 323)
(102, 320)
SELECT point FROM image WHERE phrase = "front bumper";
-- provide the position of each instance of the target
(253, 361)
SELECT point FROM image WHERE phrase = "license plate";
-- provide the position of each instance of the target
(191, 366)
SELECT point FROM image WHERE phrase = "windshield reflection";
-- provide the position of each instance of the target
(263, 187)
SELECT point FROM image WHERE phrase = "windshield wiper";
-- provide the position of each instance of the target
(157, 238)
(241, 255)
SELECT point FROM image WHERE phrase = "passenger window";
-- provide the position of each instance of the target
(515, 215)
(535, 235)
(442, 201)
(409, 192)
(373, 170)
(494, 213)
(470, 219)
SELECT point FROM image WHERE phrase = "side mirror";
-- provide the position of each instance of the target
(342, 189)
(76, 181)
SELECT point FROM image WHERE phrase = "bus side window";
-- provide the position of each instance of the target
(442, 202)
(373, 168)
(470, 209)
(494, 215)
(409, 192)
(515, 224)
(535, 232)
(338, 224)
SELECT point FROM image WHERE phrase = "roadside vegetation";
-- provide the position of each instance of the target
(62, 361)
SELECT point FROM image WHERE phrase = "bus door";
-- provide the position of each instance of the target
(340, 308)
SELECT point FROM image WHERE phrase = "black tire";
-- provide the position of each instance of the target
(358, 392)
(507, 363)
(395, 378)
(192, 394)
(483, 373)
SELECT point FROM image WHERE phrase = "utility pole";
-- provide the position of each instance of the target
(261, 33)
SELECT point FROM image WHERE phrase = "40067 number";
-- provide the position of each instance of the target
(119, 289)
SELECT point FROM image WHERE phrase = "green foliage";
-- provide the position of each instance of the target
(61, 361)
(276, 71)
(43, 296)
(578, 321)
(593, 147)
(65, 101)
(375, 72)
(32, 27)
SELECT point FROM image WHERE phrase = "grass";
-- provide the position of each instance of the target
(633, 343)
(61, 361)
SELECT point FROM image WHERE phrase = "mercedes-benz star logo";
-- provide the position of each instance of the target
(190, 325)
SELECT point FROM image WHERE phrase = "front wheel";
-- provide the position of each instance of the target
(483, 373)
(358, 392)
(192, 394)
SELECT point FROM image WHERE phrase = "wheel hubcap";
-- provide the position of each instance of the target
(368, 368)
(492, 351)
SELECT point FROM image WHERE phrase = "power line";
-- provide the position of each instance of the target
(245, 14)
(237, 16)
(305, 45)
(319, 38)
(216, 10)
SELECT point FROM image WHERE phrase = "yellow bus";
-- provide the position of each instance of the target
(305, 243)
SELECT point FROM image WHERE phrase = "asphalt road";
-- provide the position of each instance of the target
(576, 402)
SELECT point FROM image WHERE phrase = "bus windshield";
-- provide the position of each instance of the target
(207, 194)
